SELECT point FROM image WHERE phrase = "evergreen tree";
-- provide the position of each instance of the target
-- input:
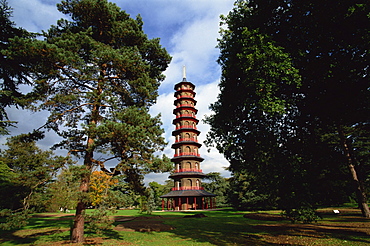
(219, 186)
(13, 71)
(159, 190)
(99, 74)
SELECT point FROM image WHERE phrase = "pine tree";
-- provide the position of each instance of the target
(13, 71)
(99, 74)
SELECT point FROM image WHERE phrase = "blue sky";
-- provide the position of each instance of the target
(188, 29)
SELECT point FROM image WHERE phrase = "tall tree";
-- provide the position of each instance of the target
(13, 72)
(328, 42)
(252, 121)
(101, 76)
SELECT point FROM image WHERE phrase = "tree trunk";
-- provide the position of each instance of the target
(360, 191)
(79, 224)
(79, 221)
(77, 235)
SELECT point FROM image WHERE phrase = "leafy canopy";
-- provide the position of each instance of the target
(293, 72)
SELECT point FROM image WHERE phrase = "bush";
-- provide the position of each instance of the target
(14, 219)
(302, 214)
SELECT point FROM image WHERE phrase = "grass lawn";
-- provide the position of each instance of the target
(222, 227)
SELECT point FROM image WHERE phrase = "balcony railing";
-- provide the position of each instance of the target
(184, 96)
(186, 140)
(184, 89)
(185, 115)
(185, 105)
(186, 154)
(186, 126)
(193, 170)
(188, 188)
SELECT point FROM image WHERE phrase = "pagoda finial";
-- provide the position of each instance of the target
(183, 73)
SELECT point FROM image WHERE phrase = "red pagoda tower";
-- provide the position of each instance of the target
(187, 192)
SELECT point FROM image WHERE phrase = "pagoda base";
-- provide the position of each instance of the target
(181, 200)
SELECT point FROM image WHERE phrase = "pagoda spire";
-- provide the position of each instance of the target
(184, 73)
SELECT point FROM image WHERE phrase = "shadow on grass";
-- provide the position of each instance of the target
(316, 232)
(230, 227)
(30, 236)
(48, 229)
(218, 228)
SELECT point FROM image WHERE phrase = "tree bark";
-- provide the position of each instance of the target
(360, 191)
(79, 224)
(77, 235)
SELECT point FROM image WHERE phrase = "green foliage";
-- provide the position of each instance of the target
(219, 186)
(98, 74)
(6, 174)
(245, 194)
(151, 201)
(14, 219)
(64, 190)
(123, 195)
(159, 190)
(143, 204)
(99, 220)
(28, 169)
(303, 214)
(14, 71)
(286, 73)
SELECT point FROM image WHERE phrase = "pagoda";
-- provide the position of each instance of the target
(187, 193)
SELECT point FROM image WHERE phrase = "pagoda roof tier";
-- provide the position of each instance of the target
(182, 98)
(186, 174)
(184, 82)
(188, 193)
(185, 129)
(180, 143)
(186, 157)
(185, 117)
(182, 107)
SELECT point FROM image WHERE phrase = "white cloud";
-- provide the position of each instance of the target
(35, 15)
